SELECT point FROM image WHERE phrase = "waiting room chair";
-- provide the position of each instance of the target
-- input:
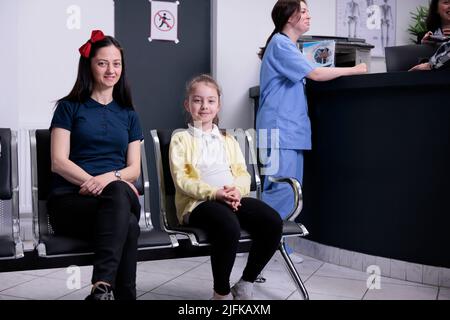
(403, 58)
(11, 246)
(48, 244)
(197, 237)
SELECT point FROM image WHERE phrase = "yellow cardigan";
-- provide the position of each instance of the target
(190, 189)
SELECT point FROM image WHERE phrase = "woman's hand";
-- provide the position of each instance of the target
(421, 67)
(426, 37)
(95, 185)
(360, 68)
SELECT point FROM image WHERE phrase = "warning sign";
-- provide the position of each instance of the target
(164, 21)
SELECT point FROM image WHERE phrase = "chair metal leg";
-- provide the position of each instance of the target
(292, 271)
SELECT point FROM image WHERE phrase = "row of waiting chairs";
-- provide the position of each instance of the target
(170, 240)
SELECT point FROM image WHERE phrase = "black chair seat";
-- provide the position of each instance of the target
(154, 238)
(60, 245)
(202, 237)
(7, 247)
(291, 228)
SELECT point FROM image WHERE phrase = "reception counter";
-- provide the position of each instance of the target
(378, 178)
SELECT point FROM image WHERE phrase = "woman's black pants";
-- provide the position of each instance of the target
(111, 223)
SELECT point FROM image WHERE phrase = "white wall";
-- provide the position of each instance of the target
(48, 51)
(40, 58)
(9, 114)
(242, 26)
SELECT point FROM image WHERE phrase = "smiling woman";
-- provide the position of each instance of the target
(106, 68)
(95, 157)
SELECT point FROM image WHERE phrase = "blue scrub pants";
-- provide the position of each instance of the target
(279, 195)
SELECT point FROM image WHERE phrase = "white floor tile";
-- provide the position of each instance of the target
(403, 282)
(308, 268)
(11, 279)
(173, 267)
(444, 294)
(85, 274)
(154, 296)
(5, 297)
(188, 288)
(80, 294)
(331, 270)
(40, 289)
(277, 280)
(265, 293)
(401, 292)
(336, 287)
(40, 272)
(318, 296)
(148, 281)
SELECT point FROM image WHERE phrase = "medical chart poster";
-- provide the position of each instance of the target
(372, 20)
(164, 21)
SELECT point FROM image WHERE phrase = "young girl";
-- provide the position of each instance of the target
(283, 105)
(212, 183)
(95, 155)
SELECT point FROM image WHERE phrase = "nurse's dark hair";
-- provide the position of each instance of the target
(84, 84)
(281, 13)
(208, 80)
(433, 21)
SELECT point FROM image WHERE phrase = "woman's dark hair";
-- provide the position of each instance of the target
(83, 87)
(281, 13)
(433, 21)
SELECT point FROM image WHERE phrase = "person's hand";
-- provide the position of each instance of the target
(426, 37)
(360, 68)
(446, 32)
(230, 196)
(421, 67)
(235, 197)
(95, 185)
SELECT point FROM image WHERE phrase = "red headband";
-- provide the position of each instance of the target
(85, 49)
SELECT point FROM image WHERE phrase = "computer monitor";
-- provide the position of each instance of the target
(403, 58)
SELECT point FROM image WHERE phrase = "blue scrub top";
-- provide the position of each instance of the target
(282, 103)
(99, 137)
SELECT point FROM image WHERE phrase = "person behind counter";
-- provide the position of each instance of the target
(439, 60)
(438, 22)
(283, 105)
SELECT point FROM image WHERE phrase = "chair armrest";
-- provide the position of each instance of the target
(298, 197)
(146, 185)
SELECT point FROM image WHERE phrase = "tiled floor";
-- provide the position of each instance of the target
(189, 279)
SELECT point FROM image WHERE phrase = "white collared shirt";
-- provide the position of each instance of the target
(211, 160)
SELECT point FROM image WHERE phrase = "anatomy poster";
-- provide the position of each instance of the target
(372, 20)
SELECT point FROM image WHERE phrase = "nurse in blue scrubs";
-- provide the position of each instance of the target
(283, 111)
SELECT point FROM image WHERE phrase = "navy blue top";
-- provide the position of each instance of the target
(99, 137)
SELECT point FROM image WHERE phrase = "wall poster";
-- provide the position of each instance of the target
(372, 20)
